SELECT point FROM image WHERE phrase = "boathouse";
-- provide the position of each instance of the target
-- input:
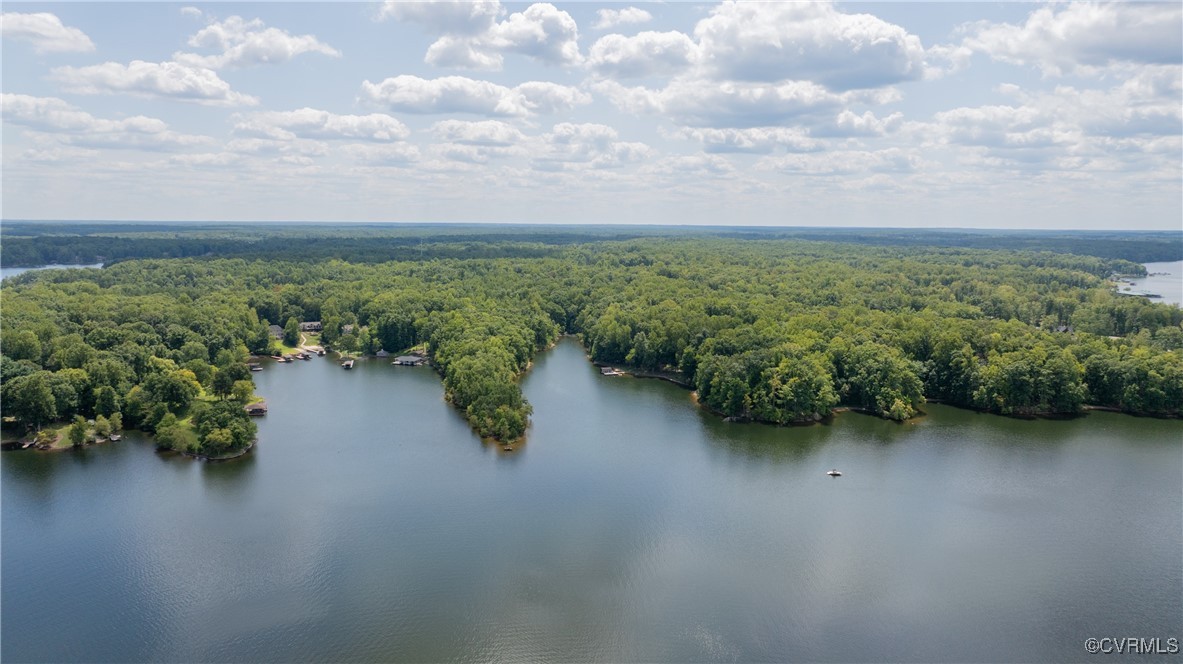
(257, 409)
(409, 360)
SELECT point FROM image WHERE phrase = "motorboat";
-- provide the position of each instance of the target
(834, 472)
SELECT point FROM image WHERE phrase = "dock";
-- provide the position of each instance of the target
(347, 364)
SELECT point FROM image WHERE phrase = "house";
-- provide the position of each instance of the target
(311, 326)
(409, 360)
(275, 331)
(382, 353)
(257, 409)
(347, 329)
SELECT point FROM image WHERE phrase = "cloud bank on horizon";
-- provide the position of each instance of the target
(1068, 115)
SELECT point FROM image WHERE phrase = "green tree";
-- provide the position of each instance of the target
(77, 432)
(291, 332)
(30, 399)
(102, 426)
(22, 345)
(242, 391)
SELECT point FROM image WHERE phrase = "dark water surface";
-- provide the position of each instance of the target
(370, 524)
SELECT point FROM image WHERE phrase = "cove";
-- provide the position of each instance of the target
(370, 524)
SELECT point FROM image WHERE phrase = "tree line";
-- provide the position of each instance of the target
(771, 330)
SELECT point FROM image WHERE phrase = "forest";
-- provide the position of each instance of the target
(766, 329)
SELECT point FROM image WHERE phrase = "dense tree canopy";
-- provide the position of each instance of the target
(771, 330)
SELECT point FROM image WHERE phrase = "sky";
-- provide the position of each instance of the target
(917, 114)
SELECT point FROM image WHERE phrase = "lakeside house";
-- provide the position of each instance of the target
(275, 331)
(382, 353)
(257, 409)
(311, 326)
(409, 360)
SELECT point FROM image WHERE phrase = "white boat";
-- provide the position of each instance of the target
(834, 473)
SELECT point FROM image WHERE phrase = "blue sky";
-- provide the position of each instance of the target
(1063, 115)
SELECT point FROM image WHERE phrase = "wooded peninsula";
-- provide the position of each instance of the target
(777, 328)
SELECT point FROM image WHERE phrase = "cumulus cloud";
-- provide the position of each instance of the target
(608, 18)
(698, 165)
(245, 43)
(644, 54)
(757, 140)
(481, 133)
(70, 124)
(170, 80)
(542, 32)
(313, 123)
(1073, 37)
(397, 155)
(775, 41)
(845, 162)
(571, 146)
(473, 38)
(458, 94)
(1139, 122)
(704, 103)
(45, 32)
(461, 17)
(274, 147)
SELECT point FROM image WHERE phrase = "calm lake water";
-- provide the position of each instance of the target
(6, 272)
(371, 525)
(1165, 279)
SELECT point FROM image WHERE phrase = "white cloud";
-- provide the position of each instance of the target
(644, 54)
(170, 80)
(548, 98)
(1083, 36)
(397, 155)
(580, 146)
(458, 94)
(268, 146)
(542, 32)
(461, 17)
(608, 18)
(848, 123)
(757, 140)
(45, 32)
(845, 162)
(481, 133)
(776, 41)
(245, 43)
(704, 103)
(191, 11)
(473, 38)
(70, 124)
(461, 53)
(1136, 125)
(313, 123)
(699, 165)
(215, 160)
(58, 154)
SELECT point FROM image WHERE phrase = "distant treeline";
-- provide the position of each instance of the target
(24, 244)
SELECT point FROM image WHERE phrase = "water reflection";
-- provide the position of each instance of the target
(372, 525)
(230, 478)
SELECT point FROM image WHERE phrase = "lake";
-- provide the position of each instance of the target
(369, 524)
(6, 272)
(1165, 279)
